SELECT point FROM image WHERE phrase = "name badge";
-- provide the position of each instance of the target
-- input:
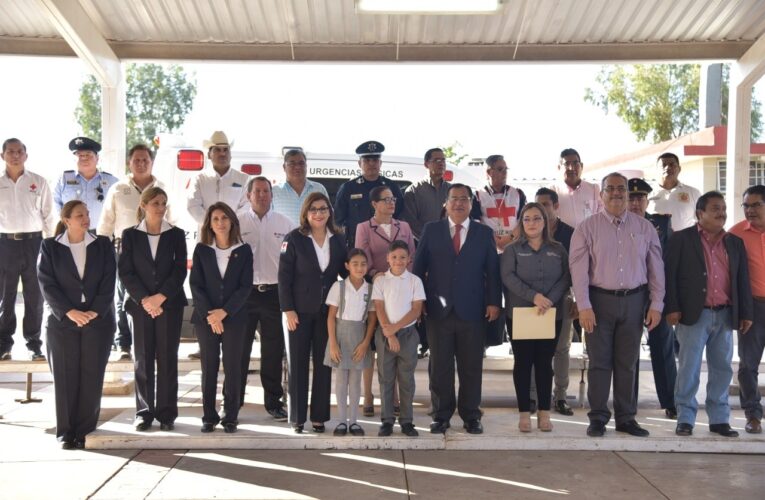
(72, 182)
(357, 196)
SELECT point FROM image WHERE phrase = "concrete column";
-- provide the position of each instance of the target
(710, 96)
(113, 128)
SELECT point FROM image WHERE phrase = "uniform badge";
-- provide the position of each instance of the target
(357, 196)
(72, 182)
(126, 191)
(684, 197)
(284, 247)
(33, 188)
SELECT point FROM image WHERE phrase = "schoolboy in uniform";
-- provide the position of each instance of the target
(398, 297)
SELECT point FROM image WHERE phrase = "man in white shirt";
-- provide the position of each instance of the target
(674, 198)
(222, 184)
(578, 198)
(264, 230)
(290, 195)
(26, 212)
(118, 214)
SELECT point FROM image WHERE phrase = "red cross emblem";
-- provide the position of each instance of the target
(501, 212)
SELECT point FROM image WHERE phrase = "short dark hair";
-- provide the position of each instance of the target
(294, 152)
(13, 140)
(492, 159)
(398, 245)
(548, 192)
(353, 252)
(701, 203)
(669, 155)
(613, 174)
(459, 186)
(429, 153)
(140, 147)
(377, 191)
(570, 151)
(757, 189)
(259, 178)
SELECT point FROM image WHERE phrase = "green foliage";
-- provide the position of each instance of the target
(453, 153)
(158, 100)
(658, 101)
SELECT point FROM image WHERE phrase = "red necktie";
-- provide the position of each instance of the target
(456, 238)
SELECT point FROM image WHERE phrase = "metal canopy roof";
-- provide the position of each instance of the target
(331, 30)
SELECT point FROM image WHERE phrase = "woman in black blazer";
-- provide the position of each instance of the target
(312, 258)
(221, 280)
(152, 266)
(76, 272)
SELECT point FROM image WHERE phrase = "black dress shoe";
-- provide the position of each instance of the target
(723, 430)
(341, 429)
(596, 429)
(297, 428)
(6, 356)
(278, 413)
(207, 427)
(562, 407)
(318, 428)
(438, 426)
(409, 430)
(684, 429)
(143, 425)
(79, 443)
(67, 444)
(473, 426)
(36, 355)
(671, 413)
(356, 430)
(229, 427)
(167, 426)
(386, 429)
(632, 428)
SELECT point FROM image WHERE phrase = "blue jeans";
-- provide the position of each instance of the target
(713, 330)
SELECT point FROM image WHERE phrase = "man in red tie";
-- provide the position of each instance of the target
(458, 264)
(498, 204)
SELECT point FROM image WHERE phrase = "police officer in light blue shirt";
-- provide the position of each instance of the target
(87, 183)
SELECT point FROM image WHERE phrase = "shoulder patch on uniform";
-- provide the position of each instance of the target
(284, 246)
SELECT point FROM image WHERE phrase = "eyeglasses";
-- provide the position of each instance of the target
(572, 163)
(458, 199)
(618, 189)
(389, 199)
(293, 164)
(318, 210)
(529, 220)
(100, 192)
(755, 205)
(440, 161)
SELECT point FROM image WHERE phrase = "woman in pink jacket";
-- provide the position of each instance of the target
(374, 237)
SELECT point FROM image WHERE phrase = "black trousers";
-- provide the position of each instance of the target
(263, 308)
(18, 259)
(231, 344)
(661, 342)
(77, 358)
(536, 354)
(123, 338)
(156, 339)
(451, 338)
(309, 341)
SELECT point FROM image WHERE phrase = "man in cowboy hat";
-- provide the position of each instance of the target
(87, 183)
(352, 204)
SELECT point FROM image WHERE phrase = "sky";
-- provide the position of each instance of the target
(528, 112)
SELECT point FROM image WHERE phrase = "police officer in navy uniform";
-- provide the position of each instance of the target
(352, 203)
(662, 338)
(87, 183)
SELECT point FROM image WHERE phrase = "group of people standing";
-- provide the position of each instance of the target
(373, 278)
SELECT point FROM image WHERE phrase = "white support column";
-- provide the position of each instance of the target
(79, 31)
(744, 73)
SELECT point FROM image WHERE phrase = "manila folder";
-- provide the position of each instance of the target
(528, 325)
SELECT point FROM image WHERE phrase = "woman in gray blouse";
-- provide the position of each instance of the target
(534, 274)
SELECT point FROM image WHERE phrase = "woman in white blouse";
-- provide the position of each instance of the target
(76, 272)
(221, 280)
(152, 266)
(313, 256)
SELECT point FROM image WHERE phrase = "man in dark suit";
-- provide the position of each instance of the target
(458, 264)
(708, 295)
(661, 340)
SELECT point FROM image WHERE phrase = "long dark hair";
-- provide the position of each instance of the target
(234, 234)
(305, 227)
(66, 212)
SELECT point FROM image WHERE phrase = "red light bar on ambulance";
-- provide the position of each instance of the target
(190, 159)
(252, 168)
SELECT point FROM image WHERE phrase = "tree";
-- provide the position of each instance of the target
(658, 100)
(453, 153)
(158, 100)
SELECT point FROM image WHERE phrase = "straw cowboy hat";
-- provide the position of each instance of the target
(217, 139)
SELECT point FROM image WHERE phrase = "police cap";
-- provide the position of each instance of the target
(638, 186)
(370, 149)
(84, 144)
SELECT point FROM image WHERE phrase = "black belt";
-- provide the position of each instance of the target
(20, 236)
(717, 308)
(758, 299)
(265, 288)
(618, 293)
